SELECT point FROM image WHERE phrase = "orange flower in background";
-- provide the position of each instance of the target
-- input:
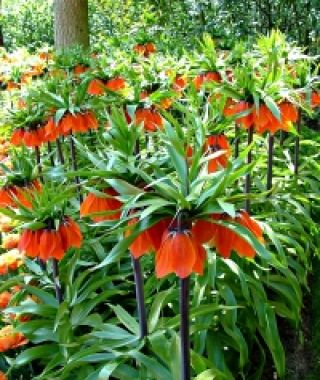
(3, 376)
(216, 143)
(5, 298)
(10, 241)
(6, 196)
(149, 118)
(233, 109)
(145, 49)
(9, 339)
(29, 138)
(93, 204)
(115, 84)
(80, 69)
(50, 243)
(149, 49)
(6, 224)
(96, 87)
(204, 78)
(315, 99)
(180, 83)
(180, 253)
(77, 123)
(13, 259)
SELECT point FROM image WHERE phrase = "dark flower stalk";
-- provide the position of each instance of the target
(38, 159)
(75, 166)
(55, 272)
(236, 140)
(185, 371)
(50, 153)
(270, 160)
(60, 151)
(247, 188)
(297, 147)
(138, 279)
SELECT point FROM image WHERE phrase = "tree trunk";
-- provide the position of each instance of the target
(1, 31)
(71, 23)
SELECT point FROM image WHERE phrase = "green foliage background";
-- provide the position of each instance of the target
(30, 22)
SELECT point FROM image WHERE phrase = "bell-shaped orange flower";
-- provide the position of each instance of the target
(225, 239)
(80, 69)
(204, 78)
(94, 204)
(96, 87)
(50, 245)
(179, 253)
(9, 339)
(29, 242)
(265, 121)
(216, 143)
(233, 109)
(115, 84)
(315, 99)
(70, 233)
(179, 83)
(148, 240)
(5, 298)
(17, 137)
(150, 119)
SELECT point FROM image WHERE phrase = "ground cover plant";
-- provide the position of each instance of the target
(159, 212)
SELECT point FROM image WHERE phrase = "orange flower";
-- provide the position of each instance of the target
(6, 196)
(148, 240)
(5, 298)
(29, 242)
(35, 137)
(149, 118)
(145, 49)
(233, 109)
(80, 122)
(11, 241)
(179, 83)
(13, 259)
(10, 339)
(93, 204)
(51, 130)
(116, 84)
(226, 240)
(3, 376)
(315, 99)
(17, 137)
(216, 143)
(80, 69)
(96, 87)
(264, 120)
(70, 234)
(204, 78)
(149, 49)
(49, 243)
(180, 253)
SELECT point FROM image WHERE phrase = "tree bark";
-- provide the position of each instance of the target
(71, 23)
(1, 31)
